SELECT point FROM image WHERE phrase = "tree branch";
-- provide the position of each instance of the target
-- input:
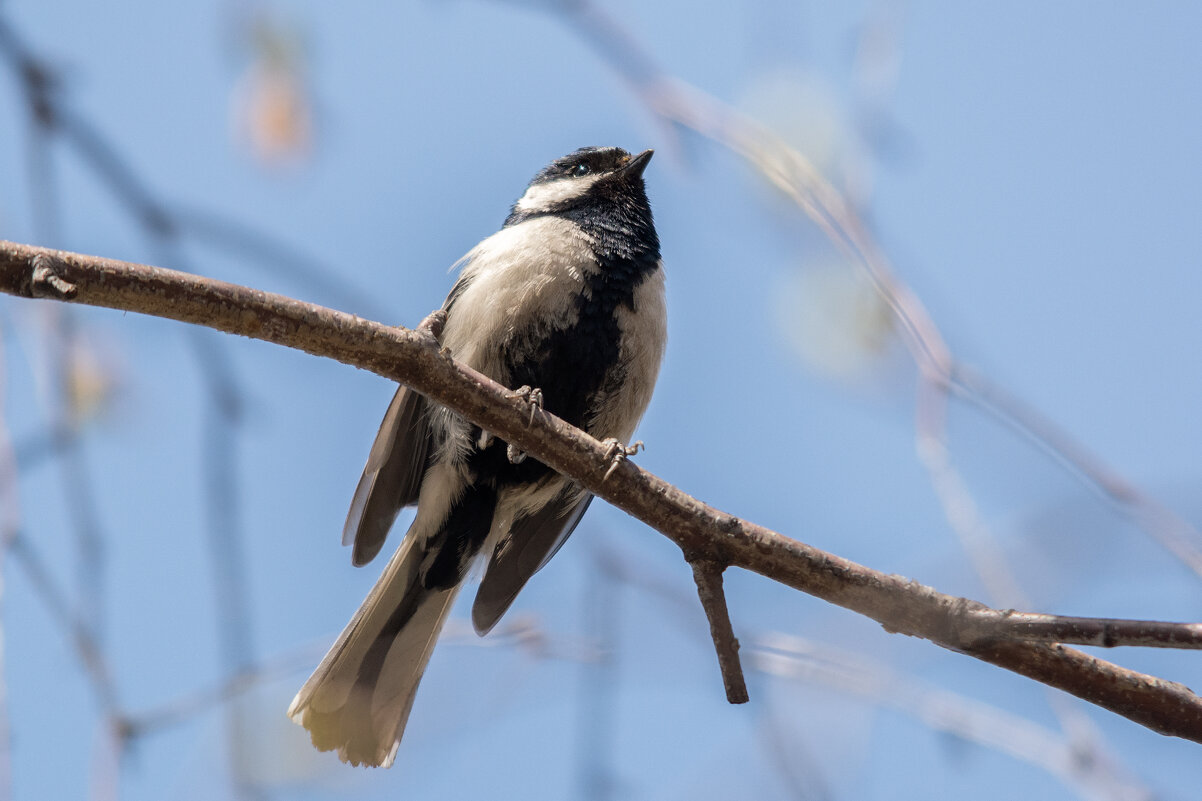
(980, 626)
(707, 573)
(900, 605)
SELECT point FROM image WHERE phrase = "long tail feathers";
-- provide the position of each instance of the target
(358, 699)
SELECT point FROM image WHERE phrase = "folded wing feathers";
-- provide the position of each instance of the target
(532, 540)
(392, 478)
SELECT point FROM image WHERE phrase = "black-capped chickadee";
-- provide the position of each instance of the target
(567, 299)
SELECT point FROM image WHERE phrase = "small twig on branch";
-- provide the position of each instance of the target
(708, 575)
(44, 283)
(898, 604)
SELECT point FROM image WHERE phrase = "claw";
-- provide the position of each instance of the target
(531, 396)
(617, 453)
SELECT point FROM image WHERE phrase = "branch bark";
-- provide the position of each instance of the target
(898, 604)
(707, 573)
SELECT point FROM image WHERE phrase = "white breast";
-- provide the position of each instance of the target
(530, 271)
(644, 339)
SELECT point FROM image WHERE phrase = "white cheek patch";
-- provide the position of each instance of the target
(544, 197)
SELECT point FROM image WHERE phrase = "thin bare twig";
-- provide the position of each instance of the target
(795, 765)
(86, 647)
(519, 633)
(597, 700)
(900, 605)
(274, 258)
(10, 521)
(200, 702)
(707, 573)
(29, 451)
(1174, 533)
(989, 726)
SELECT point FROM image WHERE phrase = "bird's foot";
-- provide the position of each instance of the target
(432, 325)
(431, 329)
(617, 453)
(532, 397)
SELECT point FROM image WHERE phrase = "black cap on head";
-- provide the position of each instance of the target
(583, 162)
(598, 188)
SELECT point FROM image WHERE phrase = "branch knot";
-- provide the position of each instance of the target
(45, 282)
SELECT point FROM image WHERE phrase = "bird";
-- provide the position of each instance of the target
(566, 303)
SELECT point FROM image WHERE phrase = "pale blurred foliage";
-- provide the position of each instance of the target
(827, 310)
(807, 114)
(91, 381)
(836, 321)
(271, 108)
(78, 374)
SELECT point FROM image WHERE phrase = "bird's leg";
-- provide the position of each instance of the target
(532, 397)
(616, 452)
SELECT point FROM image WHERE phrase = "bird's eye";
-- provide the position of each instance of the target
(581, 169)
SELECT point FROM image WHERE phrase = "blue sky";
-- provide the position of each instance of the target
(1035, 183)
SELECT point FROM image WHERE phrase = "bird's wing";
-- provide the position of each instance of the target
(396, 465)
(530, 544)
(392, 478)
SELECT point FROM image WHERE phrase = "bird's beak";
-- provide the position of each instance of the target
(634, 168)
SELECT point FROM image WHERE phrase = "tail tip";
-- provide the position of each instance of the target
(351, 753)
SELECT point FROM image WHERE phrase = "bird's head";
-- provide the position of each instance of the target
(588, 176)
